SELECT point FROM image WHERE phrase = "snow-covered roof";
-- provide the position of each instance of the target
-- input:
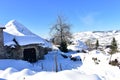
(15, 30)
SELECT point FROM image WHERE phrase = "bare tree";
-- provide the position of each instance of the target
(90, 44)
(61, 33)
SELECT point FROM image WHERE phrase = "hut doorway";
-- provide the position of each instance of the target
(29, 54)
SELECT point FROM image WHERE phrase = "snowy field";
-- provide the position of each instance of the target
(86, 69)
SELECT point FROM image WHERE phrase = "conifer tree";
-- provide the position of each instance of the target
(97, 44)
(113, 47)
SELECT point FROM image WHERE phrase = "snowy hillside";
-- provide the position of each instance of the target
(104, 37)
(24, 36)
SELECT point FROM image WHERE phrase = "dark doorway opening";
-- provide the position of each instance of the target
(30, 54)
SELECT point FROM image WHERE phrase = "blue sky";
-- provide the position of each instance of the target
(83, 15)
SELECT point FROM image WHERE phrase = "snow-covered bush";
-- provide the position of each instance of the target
(95, 60)
(114, 62)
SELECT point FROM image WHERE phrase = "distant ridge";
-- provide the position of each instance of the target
(104, 37)
(115, 31)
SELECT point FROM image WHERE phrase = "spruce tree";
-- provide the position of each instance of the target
(63, 46)
(97, 44)
(113, 47)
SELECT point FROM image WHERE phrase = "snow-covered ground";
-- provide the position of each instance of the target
(86, 69)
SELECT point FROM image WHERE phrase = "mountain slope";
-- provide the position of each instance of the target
(104, 37)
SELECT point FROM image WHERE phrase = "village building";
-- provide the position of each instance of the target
(29, 48)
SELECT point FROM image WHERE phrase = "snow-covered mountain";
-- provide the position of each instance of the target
(24, 36)
(104, 37)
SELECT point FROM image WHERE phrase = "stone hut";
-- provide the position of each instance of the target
(29, 48)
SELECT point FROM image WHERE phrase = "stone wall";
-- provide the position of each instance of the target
(13, 53)
(1, 44)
